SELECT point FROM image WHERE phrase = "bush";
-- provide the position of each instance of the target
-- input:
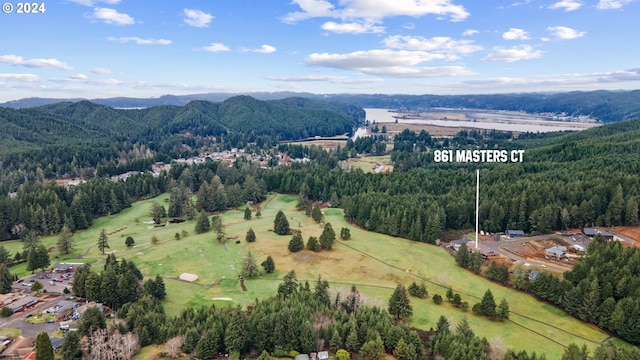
(343, 354)
(437, 298)
(6, 312)
(129, 241)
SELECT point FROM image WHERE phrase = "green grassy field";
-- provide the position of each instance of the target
(375, 263)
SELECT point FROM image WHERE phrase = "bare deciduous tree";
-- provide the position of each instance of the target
(172, 347)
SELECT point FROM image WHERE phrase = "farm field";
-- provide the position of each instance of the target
(375, 263)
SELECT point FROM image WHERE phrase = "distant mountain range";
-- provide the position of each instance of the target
(605, 106)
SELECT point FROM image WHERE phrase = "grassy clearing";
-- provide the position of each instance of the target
(368, 163)
(375, 263)
(10, 332)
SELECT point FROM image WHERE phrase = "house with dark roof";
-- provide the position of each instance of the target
(556, 252)
(455, 244)
(591, 232)
(511, 234)
(56, 343)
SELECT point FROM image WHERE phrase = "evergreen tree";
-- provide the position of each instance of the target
(475, 262)
(5, 256)
(269, 265)
(313, 244)
(372, 349)
(65, 241)
(249, 267)
(316, 213)
(321, 291)
(237, 333)
(289, 285)
(218, 227)
(296, 243)
(203, 224)
(345, 233)
(464, 329)
(71, 347)
(247, 213)
(264, 355)
(503, 310)
(404, 351)
(399, 304)
(352, 343)
(129, 241)
(38, 258)
(328, 237)
(5, 279)
(335, 342)
(103, 241)
(281, 224)
(207, 347)
(462, 256)
(44, 350)
(437, 298)
(486, 306)
(251, 236)
(573, 352)
(157, 212)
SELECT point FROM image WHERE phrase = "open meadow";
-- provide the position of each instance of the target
(375, 263)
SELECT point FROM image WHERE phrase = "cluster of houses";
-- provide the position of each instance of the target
(487, 254)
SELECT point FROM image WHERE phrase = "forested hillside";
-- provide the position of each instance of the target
(74, 139)
(606, 106)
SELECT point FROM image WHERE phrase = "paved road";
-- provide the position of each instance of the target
(17, 321)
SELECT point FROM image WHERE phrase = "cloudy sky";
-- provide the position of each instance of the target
(105, 48)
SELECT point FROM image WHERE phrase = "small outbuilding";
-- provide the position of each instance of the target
(188, 277)
(511, 234)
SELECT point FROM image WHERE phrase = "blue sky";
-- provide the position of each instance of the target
(106, 48)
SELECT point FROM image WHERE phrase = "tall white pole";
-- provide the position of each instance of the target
(477, 203)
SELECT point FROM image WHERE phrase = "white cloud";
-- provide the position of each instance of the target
(34, 63)
(101, 71)
(139, 41)
(439, 44)
(216, 47)
(612, 4)
(567, 5)
(565, 33)
(93, 2)
(112, 16)
(352, 28)
(367, 9)
(386, 62)
(20, 77)
(515, 34)
(197, 18)
(516, 53)
(470, 32)
(81, 77)
(265, 49)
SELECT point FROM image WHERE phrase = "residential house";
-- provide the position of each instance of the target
(556, 252)
(455, 244)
